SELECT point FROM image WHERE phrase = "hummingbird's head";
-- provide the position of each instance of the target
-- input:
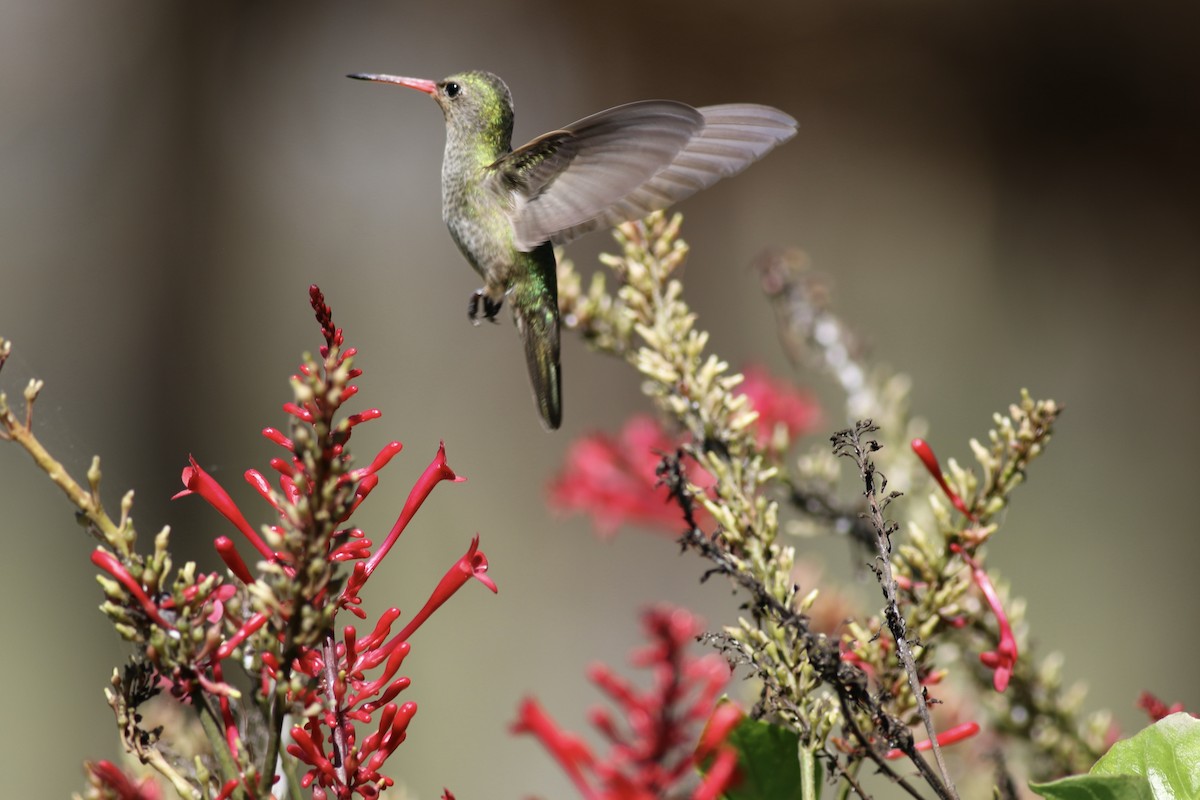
(475, 103)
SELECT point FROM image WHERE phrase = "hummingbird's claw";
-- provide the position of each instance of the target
(490, 307)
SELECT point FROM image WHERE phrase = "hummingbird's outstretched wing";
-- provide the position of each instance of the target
(625, 162)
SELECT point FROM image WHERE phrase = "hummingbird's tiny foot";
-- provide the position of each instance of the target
(490, 307)
(473, 306)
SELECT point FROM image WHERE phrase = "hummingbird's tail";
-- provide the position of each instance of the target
(536, 316)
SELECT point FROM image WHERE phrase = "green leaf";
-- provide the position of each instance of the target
(1095, 787)
(768, 761)
(1162, 762)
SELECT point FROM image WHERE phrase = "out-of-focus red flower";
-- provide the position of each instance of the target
(777, 403)
(1156, 709)
(109, 779)
(944, 739)
(615, 479)
(656, 745)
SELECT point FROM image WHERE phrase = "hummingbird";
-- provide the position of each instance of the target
(506, 208)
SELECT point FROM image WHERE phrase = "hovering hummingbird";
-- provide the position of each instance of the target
(506, 208)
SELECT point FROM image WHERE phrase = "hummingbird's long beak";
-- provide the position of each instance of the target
(420, 84)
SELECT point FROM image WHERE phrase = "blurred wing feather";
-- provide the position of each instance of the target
(626, 162)
(566, 177)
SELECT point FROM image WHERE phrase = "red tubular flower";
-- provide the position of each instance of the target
(285, 468)
(364, 488)
(200, 482)
(356, 547)
(362, 416)
(569, 751)
(394, 654)
(228, 789)
(110, 564)
(393, 724)
(263, 487)
(724, 718)
(229, 554)
(223, 692)
(944, 739)
(114, 783)
(302, 414)
(382, 628)
(925, 453)
(473, 564)
(437, 471)
(1003, 659)
(279, 438)
(309, 751)
(721, 775)
(254, 623)
(389, 451)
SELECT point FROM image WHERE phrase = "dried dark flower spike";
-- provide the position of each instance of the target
(853, 443)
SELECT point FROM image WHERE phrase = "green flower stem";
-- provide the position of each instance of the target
(88, 502)
(211, 723)
(810, 771)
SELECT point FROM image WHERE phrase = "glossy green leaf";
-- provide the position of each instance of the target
(1162, 762)
(1095, 787)
(768, 762)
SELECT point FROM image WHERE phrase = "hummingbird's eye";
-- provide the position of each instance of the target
(452, 89)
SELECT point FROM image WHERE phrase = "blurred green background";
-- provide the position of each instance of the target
(1005, 195)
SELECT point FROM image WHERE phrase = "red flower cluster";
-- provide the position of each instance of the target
(615, 480)
(315, 498)
(657, 748)
(359, 697)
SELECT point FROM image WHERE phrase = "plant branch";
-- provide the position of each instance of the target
(86, 500)
(851, 444)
